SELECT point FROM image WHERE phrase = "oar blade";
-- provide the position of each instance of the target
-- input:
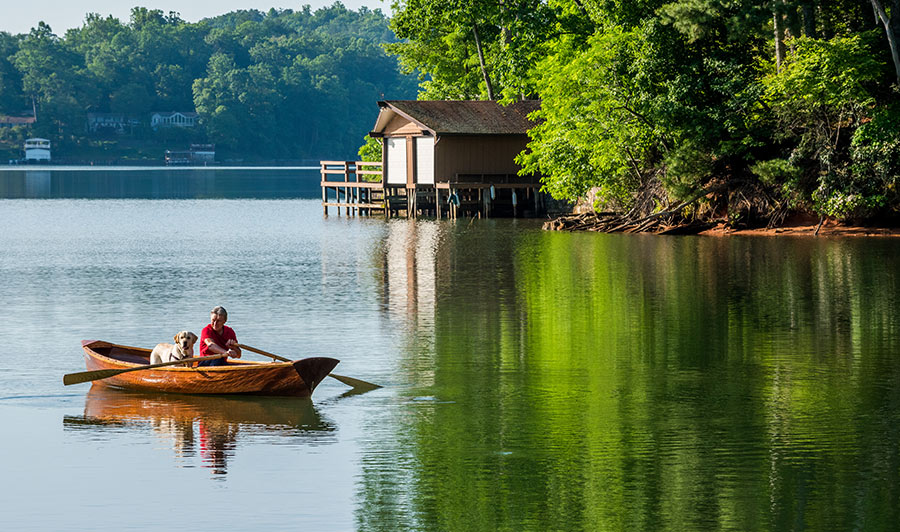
(355, 383)
(87, 376)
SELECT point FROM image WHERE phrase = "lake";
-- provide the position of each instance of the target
(532, 380)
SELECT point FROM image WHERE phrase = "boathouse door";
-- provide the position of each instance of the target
(396, 160)
(425, 160)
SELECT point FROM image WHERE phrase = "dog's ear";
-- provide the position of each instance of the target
(193, 338)
(175, 338)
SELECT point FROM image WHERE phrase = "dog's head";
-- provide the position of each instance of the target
(185, 340)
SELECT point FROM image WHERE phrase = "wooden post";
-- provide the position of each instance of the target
(481, 199)
(324, 188)
(347, 193)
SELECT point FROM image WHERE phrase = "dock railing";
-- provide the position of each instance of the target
(356, 185)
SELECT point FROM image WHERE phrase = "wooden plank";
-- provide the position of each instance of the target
(351, 184)
(364, 205)
(446, 186)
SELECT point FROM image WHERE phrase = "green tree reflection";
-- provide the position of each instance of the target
(620, 382)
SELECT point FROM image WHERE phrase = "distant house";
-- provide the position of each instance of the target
(10, 121)
(173, 119)
(434, 142)
(112, 122)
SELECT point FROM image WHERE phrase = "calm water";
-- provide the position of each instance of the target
(533, 380)
(61, 182)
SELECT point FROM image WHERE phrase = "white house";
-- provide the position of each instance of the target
(173, 119)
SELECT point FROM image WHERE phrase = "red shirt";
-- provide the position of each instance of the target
(219, 339)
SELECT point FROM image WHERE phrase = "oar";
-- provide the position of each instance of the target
(85, 376)
(349, 381)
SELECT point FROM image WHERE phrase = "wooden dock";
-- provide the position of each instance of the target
(359, 188)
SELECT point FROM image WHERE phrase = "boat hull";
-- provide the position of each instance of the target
(298, 378)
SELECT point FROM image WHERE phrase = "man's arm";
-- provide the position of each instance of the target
(219, 350)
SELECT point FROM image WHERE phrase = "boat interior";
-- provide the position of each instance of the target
(142, 356)
(133, 356)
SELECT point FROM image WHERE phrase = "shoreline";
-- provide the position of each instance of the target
(798, 225)
(830, 228)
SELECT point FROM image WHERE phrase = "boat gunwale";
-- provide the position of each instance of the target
(242, 365)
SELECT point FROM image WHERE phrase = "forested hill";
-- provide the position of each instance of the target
(771, 105)
(281, 84)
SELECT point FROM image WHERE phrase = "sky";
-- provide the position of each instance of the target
(18, 16)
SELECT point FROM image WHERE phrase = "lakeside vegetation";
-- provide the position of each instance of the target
(283, 84)
(680, 110)
(740, 111)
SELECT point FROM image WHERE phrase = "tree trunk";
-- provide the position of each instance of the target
(891, 29)
(809, 20)
(792, 23)
(778, 23)
(484, 72)
(827, 29)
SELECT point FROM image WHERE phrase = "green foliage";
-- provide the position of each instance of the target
(832, 75)
(370, 151)
(675, 93)
(824, 89)
(687, 167)
(781, 176)
(627, 102)
(592, 129)
(875, 156)
(276, 84)
(438, 38)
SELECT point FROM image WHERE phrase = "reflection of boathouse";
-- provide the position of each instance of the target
(441, 157)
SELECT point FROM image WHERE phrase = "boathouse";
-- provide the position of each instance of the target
(441, 158)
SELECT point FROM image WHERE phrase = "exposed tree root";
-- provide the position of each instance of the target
(736, 203)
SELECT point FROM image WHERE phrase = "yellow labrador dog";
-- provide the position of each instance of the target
(183, 348)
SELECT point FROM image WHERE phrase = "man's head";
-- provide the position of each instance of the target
(217, 317)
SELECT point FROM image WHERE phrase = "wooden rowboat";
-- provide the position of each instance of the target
(298, 378)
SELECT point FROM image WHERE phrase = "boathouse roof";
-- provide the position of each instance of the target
(459, 117)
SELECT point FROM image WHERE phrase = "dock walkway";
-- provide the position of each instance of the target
(359, 187)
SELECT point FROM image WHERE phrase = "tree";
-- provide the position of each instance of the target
(480, 49)
(821, 95)
(12, 99)
(891, 28)
(52, 76)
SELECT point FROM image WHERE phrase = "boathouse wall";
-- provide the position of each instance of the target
(460, 156)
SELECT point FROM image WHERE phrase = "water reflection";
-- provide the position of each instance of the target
(158, 183)
(592, 382)
(211, 427)
(37, 183)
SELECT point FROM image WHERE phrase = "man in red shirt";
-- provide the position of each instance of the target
(217, 339)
